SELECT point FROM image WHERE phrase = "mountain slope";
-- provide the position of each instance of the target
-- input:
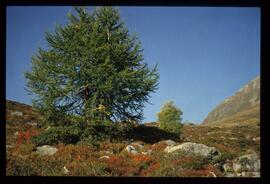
(241, 108)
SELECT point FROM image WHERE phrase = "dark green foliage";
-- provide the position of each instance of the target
(151, 134)
(169, 118)
(93, 68)
(103, 130)
(92, 133)
(59, 134)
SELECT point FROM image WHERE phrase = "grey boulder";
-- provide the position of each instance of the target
(46, 150)
(131, 149)
(247, 163)
(194, 148)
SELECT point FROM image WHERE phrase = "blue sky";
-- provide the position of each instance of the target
(204, 54)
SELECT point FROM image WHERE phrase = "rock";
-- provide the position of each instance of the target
(139, 145)
(31, 123)
(46, 150)
(17, 113)
(241, 174)
(66, 171)
(227, 168)
(9, 146)
(212, 174)
(255, 139)
(167, 142)
(170, 142)
(104, 157)
(131, 149)
(16, 133)
(218, 166)
(147, 153)
(233, 138)
(108, 152)
(198, 149)
(247, 163)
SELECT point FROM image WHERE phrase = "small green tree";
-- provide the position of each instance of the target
(169, 118)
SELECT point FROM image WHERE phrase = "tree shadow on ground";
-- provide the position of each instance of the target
(151, 135)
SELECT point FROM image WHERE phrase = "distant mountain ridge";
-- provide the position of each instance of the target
(243, 107)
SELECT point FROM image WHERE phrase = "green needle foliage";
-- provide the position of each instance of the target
(92, 69)
(169, 118)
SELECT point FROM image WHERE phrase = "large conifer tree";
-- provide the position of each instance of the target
(93, 68)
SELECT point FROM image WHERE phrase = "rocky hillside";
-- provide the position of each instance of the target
(202, 151)
(241, 108)
(20, 113)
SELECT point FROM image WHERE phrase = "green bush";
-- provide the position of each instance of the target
(59, 134)
(103, 130)
(91, 133)
(169, 118)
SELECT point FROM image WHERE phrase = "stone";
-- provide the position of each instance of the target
(167, 142)
(16, 133)
(139, 145)
(194, 148)
(46, 150)
(131, 149)
(170, 142)
(31, 123)
(66, 171)
(212, 174)
(109, 152)
(104, 157)
(9, 146)
(17, 113)
(255, 139)
(247, 163)
(218, 166)
(147, 153)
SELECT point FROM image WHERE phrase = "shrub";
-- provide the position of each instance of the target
(99, 131)
(93, 168)
(25, 136)
(20, 167)
(169, 118)
(72, 132)
(113, 147)
(59, 134)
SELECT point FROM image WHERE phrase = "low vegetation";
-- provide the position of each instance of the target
(108, 156)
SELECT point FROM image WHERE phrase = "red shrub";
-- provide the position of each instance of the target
(141, 158)
(25, 136)
(118, 166)
(76, 152)
(150, 169)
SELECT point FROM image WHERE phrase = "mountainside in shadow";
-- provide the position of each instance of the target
(242, 108)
